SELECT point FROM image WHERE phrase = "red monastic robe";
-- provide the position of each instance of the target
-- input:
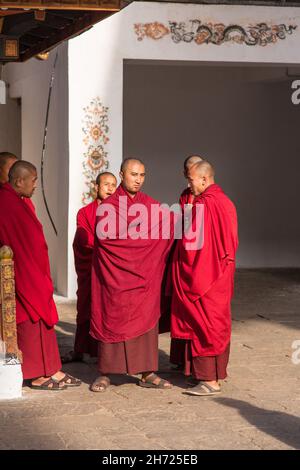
(83, 247)
(127, 276)
(203, 278)
(21, 230)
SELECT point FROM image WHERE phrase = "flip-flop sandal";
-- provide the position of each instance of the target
(202, 389)
(101, 384)
(69, 381)
(45, 386)
(71, 356)
(149, 382)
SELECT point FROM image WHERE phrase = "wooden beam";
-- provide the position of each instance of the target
(97, 5)
(81, 25)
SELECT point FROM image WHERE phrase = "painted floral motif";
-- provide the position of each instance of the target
(95, 129)
(260, 34)
(151, 30)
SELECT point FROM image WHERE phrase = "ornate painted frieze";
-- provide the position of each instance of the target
(95, 129)
(260, 34)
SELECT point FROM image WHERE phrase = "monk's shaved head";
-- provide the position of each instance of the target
(21, 169)
(128, 161)
(203, 168)
(201, 176)
(7, 159)
(101, 175)
(23, 178)
(132, 175)
(190, 161)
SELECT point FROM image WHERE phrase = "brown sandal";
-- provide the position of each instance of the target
(101, 384)
(70, 381)
(148, 382)
(50, 384)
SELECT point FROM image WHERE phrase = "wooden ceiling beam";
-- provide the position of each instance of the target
(81, 25)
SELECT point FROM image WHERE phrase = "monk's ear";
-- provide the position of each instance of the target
(121, 174)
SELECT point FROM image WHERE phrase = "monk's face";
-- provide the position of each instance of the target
(198, 181)
(26, 184)
(107, 186)
(4, 170)
(133, 177)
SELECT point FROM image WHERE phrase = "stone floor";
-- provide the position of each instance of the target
(258, 409)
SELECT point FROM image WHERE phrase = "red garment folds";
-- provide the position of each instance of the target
(127, 275)
(21, 230)
(83, 247)
(186, 197)
(203, 278)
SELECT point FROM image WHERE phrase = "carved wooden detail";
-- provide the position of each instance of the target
(8, 326)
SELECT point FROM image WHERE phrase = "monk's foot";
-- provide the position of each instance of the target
(47, 383)
(72, 356)
(151, 380)
(204, 389)
(101, 384)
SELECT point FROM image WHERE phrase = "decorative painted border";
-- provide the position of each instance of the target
(260, 34)
(95, 129)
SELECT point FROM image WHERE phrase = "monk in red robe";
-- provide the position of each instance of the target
(203, 284)
(36, 313)
(7, 159)
(177, 350)
(126, 283)
(83, 246)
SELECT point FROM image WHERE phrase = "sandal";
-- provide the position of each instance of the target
(101, 384)
(203, 389)
(71, 356)
(50, 384)
(70, 381)
(148, 382)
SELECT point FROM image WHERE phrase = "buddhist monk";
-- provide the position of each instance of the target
(7, 159)
(36, 313)
(126, 282)
(177, 350)
(203, 284)
(83, 246)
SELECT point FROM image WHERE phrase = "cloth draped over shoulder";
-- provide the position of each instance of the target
(127, 272)
(21, 230)
(202, 283)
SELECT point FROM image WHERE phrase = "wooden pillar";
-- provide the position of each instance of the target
(8, 326)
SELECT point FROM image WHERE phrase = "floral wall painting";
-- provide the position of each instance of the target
(260, 34)
(95, 129)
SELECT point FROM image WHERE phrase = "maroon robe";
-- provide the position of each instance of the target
(23, 233)
(127, 276)
(83, 247)
(203, 278)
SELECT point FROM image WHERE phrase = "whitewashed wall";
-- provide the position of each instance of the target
(10, 126)
(30, 83)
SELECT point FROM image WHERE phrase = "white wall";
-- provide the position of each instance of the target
(245, 125)
(30, 83)
(10, 126)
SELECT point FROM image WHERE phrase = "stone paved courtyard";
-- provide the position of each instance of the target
(258, 409)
